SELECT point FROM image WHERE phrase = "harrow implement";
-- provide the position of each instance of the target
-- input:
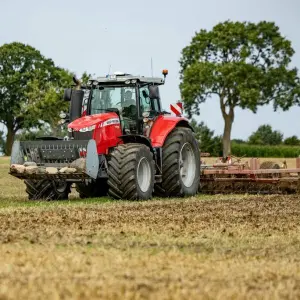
(249, 177)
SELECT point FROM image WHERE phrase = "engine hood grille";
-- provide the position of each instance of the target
(83, 135)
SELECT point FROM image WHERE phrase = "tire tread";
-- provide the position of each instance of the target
(121, 171)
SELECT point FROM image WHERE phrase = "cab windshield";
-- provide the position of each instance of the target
(106, 98)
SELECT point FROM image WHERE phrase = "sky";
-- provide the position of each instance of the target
(100, 36)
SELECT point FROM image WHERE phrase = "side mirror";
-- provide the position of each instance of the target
(67, 94)
(145, 95)
(153, 92)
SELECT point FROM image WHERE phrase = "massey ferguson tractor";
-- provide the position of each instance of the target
(120, 142)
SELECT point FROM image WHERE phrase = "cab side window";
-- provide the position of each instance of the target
(156, 105)
(145, 102)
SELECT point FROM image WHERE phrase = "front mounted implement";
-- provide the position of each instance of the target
(56, 159)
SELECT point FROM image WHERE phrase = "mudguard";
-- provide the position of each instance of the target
(92, 159)
(163, 125)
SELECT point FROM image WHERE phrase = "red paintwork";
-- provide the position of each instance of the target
(162, 127)
(86, 121)
(236, 171)
(105, 135)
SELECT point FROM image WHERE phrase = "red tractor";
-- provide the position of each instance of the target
(120, 143)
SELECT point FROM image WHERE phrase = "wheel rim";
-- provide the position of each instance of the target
(144, 174)
(187, 165)
(61, 186)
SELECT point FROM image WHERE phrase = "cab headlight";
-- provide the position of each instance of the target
(62, 115)
(146, 114)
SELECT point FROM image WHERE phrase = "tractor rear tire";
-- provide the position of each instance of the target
(47, 189)
(181, 165)
(269, 165)
(131, 172)
(94, 189)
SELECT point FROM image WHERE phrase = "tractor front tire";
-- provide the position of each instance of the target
(131, 172)
(94, 189)
(47, 189)
(181, 165)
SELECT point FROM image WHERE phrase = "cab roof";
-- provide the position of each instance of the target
(125, 79)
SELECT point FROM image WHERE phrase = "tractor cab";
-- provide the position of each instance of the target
(134, 99)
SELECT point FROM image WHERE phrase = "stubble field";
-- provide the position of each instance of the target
(205, 247)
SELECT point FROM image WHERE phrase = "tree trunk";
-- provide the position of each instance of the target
(226, 136)
(9, 140)
(228, 120)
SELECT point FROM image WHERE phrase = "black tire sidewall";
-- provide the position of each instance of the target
(33, 188)
(96, 188)
(123, 175)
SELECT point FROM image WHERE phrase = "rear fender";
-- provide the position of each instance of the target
(163, 125)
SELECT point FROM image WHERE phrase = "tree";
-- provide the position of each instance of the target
(208, 142)
(264, 135)
(30, 89)
(85, 78)
(243, 64)
(45, 130)
(292, 141)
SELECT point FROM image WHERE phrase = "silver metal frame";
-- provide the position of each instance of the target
(123, 78)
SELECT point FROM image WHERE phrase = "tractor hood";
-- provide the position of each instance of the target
(93, 120)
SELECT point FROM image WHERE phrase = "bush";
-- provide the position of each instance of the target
(292, 141)
(280, 151)
(265, 135)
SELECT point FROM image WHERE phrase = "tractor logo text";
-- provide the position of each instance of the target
(111, 122)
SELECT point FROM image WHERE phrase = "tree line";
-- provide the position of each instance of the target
(264, 142)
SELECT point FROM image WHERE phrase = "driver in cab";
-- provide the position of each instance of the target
(129, 105)
(129, 109)
(128, 99)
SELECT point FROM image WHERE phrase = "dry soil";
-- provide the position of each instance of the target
(205, 247)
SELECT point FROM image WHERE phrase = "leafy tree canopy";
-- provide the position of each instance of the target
(208, 142)
(265, 135)
(30, 88)
(292, 141)
(245, 65)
